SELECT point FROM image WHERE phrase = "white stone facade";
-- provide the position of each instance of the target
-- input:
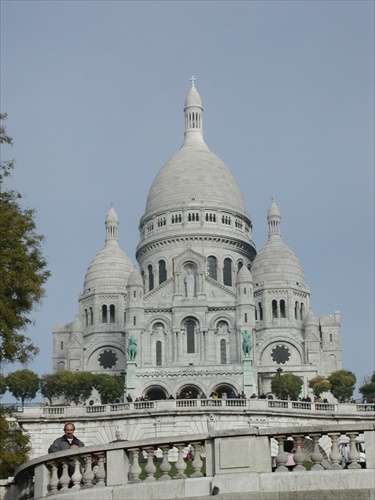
(199, 287)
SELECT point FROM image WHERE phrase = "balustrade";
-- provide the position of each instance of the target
(86, 468)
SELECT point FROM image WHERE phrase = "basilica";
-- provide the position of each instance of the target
(203, 312)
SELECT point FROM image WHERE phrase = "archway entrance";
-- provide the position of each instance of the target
(189, 392)
(225, 390)
(156, 393)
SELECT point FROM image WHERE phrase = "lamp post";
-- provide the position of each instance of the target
(279, 371)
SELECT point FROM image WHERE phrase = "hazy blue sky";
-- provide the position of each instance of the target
(95, 91)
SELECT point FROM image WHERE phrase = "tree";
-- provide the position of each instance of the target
(318, 385)
(76, 386)
(50, 386)
(3, 384)
(288, 384)
(23, 384)
(368, 388)
(342, 384)
(109, 387)
(14, 446)
(22, 268)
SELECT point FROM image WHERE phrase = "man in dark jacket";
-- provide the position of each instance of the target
(67, 441)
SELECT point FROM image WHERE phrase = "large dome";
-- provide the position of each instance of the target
(194, 176)
(111, 267)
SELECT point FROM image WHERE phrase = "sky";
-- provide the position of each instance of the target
(94, 93)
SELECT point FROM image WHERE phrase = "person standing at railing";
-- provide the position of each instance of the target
(67, 441)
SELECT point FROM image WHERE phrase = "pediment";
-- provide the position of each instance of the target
(189, 256)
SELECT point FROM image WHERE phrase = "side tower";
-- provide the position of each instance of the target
(288, 335)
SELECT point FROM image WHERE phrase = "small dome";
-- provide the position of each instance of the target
(77, 325)
(276, 262)
(135, 279)
(109, 270)
(244, 275)
(311, 319)
(111, 267)
(273, 210)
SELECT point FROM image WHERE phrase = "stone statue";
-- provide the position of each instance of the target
(246, 344)
(132, 348)
(189, 281)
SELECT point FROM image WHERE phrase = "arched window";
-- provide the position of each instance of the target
(86, 318)
(223, 352)
(112, 316)
(282, 308)
(245, 318)
(239, 265)
(134, 320)
(158, 353)
(302, 312)
(227, 272)
(62, 345)
(260, 311)
(212, 267)
(190, 336)
(162, 271)
(296, 310)
(150, 278)
(104, 314)
(91, 316)
(274, 309)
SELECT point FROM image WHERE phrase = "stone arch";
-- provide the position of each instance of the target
(225, 382)
(222, 316)
(160, 318)
(156, 392)
(192, 388)
(280, 340)
(92, 363)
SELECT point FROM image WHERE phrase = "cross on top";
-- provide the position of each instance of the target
(192, 79)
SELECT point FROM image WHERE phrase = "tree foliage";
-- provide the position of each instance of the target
(109, 387)
(319, 384)
(23, 384)
(288, 384)
(22, 268)
(50, 386)
(76, 386)
(368, 388)
(3, 384)
(342, 384)
(14, 446)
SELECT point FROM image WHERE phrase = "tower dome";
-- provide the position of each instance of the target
(276, 262)
(111, 267)
(194, 176)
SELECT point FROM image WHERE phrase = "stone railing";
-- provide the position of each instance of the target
(180, 404)
(243, 460)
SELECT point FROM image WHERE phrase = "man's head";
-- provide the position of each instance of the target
(69, 429)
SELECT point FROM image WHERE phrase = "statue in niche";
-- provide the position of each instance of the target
(246, 343)
(132, 348)
(158, 328)
(190, 283)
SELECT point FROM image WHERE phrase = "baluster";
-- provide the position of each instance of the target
(180, 464)
(88, 473)
(197, 462)
(335, 455)
(299, 456)
(23, 491)
(281, 457)
(165, 466)
(101, 474)
(64, 479)
(135, 469)
(150, 468)
(353, 454)
(76, 476)
(316, 455)
(28, 481)
(54, 479)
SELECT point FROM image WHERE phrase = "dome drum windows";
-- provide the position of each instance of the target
(278, 309)
(150, 277)
(193, 217)
(210, 217)
(162, 221)
(176, 218)
(239, 224)
(299, 311)
(212, 267)
(149, 226)
(193, 120)
(226, 219)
